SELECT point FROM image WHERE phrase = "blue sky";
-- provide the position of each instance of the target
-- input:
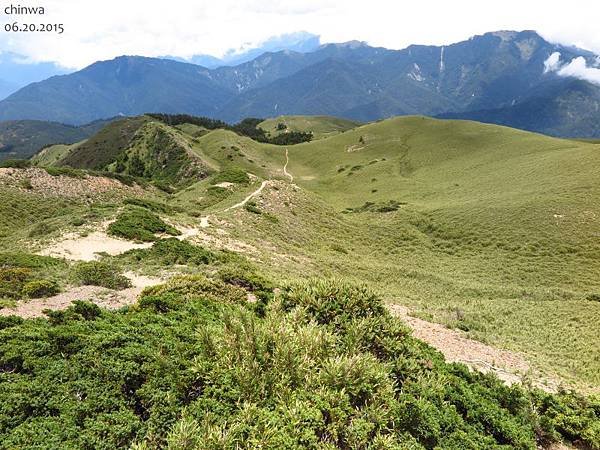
(183, 28)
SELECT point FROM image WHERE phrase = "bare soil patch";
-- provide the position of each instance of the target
(509, 366)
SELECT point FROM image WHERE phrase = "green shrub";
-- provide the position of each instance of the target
(25, 183)
(244, 276)
(164, 186)
(27, 260)
(152, 205)
(65, 171)
(252, 207)
(79, 310)
(15, 163)
(192, 366)
(12, 280)
(41, 229)
(193, 286)
(77, 221)
(231, 175)
(381, 207)
(96, 273)
(173, 251)
(40, 288)
(140, 225)
(214, 195)
(331, 301)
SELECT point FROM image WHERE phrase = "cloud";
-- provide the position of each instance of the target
(577, 68)
(97, 30)
(552, 64)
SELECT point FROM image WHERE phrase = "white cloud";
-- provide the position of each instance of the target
(577, 68)
(101, 30)
(552, 64)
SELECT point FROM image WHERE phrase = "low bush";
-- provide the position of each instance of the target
(231, 175)
(42, 229)
(139, 224)
(381, 207)
(185, 288)
(65, 171)
(25, 183)
(12, 280)
(171, 251)
(252, 207)
(77, 221)
(97, 273)
(332, 302)
(27, 260)
(15, 163)
(214, 195)
(40, 288)
(152, 205)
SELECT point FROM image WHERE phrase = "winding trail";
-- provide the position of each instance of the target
(204, 221)
(285, 172)
(250, 197)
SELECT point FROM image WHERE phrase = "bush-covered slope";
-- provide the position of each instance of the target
(194, 366)
(140, 147)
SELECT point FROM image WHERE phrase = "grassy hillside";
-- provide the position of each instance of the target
(319, 126)
(506, 218)
(105, 146)
(484, 229)
(466, 223)
(139, 147)
(53, 154)
(463, 222)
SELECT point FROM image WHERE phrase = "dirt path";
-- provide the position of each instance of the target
(204, 221)
(250, 197)
(457, 347)
(285, 172)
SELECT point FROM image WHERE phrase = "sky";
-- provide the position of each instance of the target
(99, 30)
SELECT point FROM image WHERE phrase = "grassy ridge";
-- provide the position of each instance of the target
(493, 223)
(319, 126)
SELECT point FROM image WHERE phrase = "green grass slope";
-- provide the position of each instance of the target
(139, 147)
(508, 219)
(319, 126)
(483, 228)
(53, 154)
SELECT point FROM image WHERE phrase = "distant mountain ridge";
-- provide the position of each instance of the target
(501, 77)
(16, 73)
(23, 138)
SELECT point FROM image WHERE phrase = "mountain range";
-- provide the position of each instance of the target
(16, 72)
(512, 78)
